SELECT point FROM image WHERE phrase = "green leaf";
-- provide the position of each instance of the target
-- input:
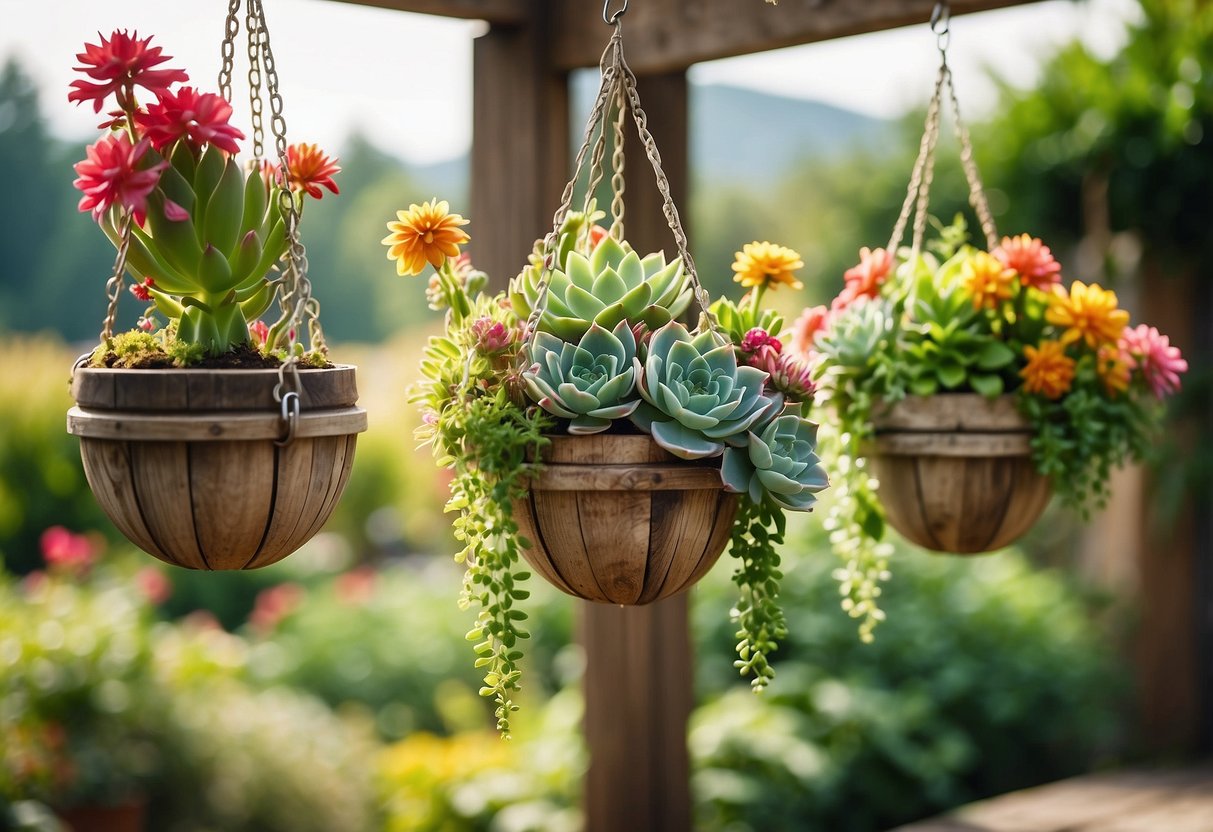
(989, 386)
(994, 356)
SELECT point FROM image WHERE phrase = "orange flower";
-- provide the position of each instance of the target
(1086, 312)
(1031, 258)
(864, 280)
(1049, 371)
(764, 264)
(424, 233)
(1115, 368)
(310, 168)
(988, 280)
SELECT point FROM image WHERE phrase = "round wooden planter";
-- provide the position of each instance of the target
(616, 519)
(185, 463)
(956, 472)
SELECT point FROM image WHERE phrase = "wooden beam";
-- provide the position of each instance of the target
(638, 679)
(504, 12)
(520, 147)
(667, 35)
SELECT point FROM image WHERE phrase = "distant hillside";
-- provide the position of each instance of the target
(736, 134)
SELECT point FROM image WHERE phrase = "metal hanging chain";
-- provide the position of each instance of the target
(928, 169)
(618, 184)
(258, 40)
(113, 286)
(227, 51)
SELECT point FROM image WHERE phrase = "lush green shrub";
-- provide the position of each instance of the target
(988, 677)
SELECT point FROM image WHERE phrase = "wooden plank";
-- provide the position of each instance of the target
(229, 532)
(615, 528)
(964, 412)
(520, 146)
(668, 35)
(627, 478)
(494, 11)
(638, 659)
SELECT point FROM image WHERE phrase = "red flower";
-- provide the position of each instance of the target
(757, 338)
(259, 333)
(273, 605)
(813, 320)
(153, 585)
(121, 64)
(309, 168)
(199, 117)
(140, 290)
(597, 235)
(111, 175)
(65, 550)
(864, 280)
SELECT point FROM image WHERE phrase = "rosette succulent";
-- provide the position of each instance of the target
(610, 285)
(780, 464)
(696, 398)
(211, 235)
(590, 382)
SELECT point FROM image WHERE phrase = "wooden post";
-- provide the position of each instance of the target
(638, 659)
(520, 144)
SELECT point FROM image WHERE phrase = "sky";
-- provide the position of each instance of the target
(405, 80)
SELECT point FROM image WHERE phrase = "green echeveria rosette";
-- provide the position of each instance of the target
(209, 256)
(780, 463)
(611, 285)
(696, 398)
(591, 382)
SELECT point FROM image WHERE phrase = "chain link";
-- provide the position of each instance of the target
(227, 51)
(255, 48)
(618, 183)
(113, 286)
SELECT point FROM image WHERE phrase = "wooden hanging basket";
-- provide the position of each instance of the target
(618, 520)
(186, 465)
(956, 472)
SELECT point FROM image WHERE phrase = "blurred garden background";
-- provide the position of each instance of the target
(335, 691)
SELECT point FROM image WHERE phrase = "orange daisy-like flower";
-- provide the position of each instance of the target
(424, 233)
(309, 168)
(987, 279)
(1049, 370)
(1115, 368)
(766, 264)
(1031, 258)
(1086, 312)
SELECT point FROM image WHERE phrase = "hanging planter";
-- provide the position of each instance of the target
(968, 385)
(193, 465)
(589, 431)
(956, 471)
(619, 520)
(215, 441)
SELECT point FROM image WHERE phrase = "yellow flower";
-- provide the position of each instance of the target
(764, 264)
(424, 233)
(987, 280)
(1049, 371)
(1087, 312)
(1115, 368)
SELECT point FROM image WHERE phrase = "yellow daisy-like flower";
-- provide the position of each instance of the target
(1115, 368)
(766, 264)
(426, 233)
(1087, 312)
(988, 280)
(1049, 371)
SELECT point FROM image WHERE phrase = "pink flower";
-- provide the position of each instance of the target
(1032, 259)
(110, 175)
(1152, 353)
(199, 118)
(793, 376)
(357, 586)
(67, 551)
(121, 64)
(813, 320)
(140, 290)
(492, 336)
(273, 605)
(259, 332)
(865, 279)
(758, 338)
(153, 585)
(147, 324)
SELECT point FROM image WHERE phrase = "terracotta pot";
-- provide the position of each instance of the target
(618, 520)
(956, 472)
(124, 817)
(186, 465)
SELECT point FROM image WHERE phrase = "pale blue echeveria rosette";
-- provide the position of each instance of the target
(696, 397)
(591, 382)
(779, 462)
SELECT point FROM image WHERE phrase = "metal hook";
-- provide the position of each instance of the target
(941, 17)
(290, 415)
(608, 17)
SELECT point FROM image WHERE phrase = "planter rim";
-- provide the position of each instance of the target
(943, 413)
(126, 426)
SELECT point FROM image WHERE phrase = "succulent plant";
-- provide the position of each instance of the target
(211, 237)
(612, 284)
(696, 398)
(780, 463)
(589, 382)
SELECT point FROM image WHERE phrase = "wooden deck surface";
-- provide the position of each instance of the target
(1170, 800)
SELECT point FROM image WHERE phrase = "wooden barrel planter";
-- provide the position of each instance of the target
(186, 465)
(956, 472)
(618, 520)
